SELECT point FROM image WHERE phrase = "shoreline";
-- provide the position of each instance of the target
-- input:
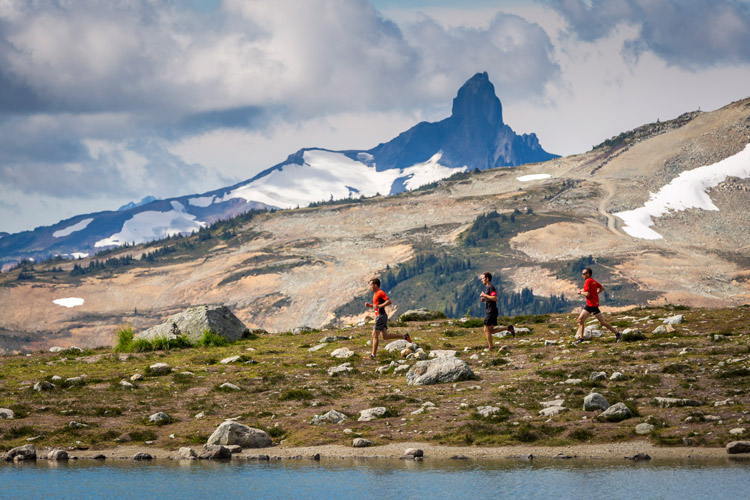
(612, 451)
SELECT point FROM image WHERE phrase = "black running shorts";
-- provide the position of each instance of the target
(381, 322)
(592, 309)
(490, 319)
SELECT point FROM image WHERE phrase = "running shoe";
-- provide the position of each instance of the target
(407, 338)
(371, 357)
(512, 330)
(577, 341)
(618, 337)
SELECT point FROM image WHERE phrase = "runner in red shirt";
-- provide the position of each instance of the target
(379, 302)
(591, 290)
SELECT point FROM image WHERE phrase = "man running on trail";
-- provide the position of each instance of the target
(379, 302)
(489, 297)
(591, 290)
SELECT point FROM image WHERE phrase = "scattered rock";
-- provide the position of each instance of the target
(44, 386)
(126, 384)
(735, 447)
(574, 381)
(7, 414)
(676, 402)
(77, 425)
(595, 376)
(738, 431)
(617, 376)
(332, 417)
(99, 457)
(192, 322)
(562, 456)
(342, 353)
(552, 411)
(639, 457)
(413, 453)
(361, 443)
(459, 457)
(397, 345)
(371, 414)
(616, 413)
(186, 453)
(297, 330)
(644, 429)
(385, 368)
(142, 456)
(674, 320)
(660, 329)
(229, 360)
(231, 432)
(160, 369)
(438, 370)
(420, 314)
(136, 377)
(317, 347)
(343, 369)
(554, 402)
(595, 402)
(159, 418)
(442, 353)
(215, 452)
(57, 455)
(487, 411)
(229, 386)
(401, 369)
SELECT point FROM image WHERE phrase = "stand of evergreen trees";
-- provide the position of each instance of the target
(437, 267)
(100, 265)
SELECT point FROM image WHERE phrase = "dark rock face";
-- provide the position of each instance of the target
(473, 136)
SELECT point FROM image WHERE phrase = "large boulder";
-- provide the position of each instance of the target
(595, 401)
(438, 370)
(25, 452)
(332, 417)
(7, 413)
(615, 413)
(231, 432)
(738, 447)
(194, 321)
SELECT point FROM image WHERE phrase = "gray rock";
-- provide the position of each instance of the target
(676, 402)
(57, 455)
(136, 377)
(25, 452)
(159, 418)
(7, 414)
(335, 338)
(574, 381)
(554, 402)
(342, 353)
(371, 414)
(230, 386)
(660, 329)
(720, 338)
(442, 353)
(343, 369)
(44, 386)
(385, 368)
(160, 369)
(420, 314)
(487, 411)
(401, 369)
(142, 456)
(413, 453)
(187, 453)
(230, 432)
(616, 413)
(548, 343)
(397, 345)
(297, 330)
(552, 411)
(77, 425)
(361, 443)
(674, 320)
(644, 429)
(332, 417)
(229, 360)
(234, 448)
(194, 321)
(317, 347)
(738, 447)
(126, 384)
(595, 402)
(628, 331)
(215, 452)
(438, 370)
(597, 376)
(737, 431)
(617, 376)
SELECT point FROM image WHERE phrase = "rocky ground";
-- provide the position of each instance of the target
(680, 386)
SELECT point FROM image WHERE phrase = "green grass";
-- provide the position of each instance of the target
(212, 339)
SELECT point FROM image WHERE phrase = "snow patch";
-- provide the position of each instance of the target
(82, 224)
(202, 202)
(69, 302)
(533, 177)
(327, 175)
(152, 225)
(79, 255)
(688, 190)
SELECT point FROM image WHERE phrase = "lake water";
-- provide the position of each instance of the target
(377, 479)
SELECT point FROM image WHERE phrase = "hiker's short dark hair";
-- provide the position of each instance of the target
(375, 280)
(588, 271)
(487, 275)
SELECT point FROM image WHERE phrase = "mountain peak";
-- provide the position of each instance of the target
(476, 101)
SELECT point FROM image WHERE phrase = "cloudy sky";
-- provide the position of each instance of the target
(103, 102)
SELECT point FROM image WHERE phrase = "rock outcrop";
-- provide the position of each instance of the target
(192, 322)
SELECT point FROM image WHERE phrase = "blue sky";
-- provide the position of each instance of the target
(105, 102)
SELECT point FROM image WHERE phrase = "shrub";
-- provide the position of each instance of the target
(633, 337)
(212, 339)
(296, 395)
(124, 339)
(500, 416)
(525, 433)
(677, 368)
(737, 372)
(581, 435)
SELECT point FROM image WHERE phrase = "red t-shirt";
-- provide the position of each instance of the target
(592, 286)
(380, 294)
